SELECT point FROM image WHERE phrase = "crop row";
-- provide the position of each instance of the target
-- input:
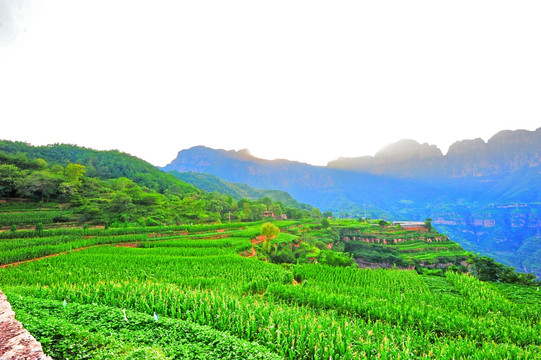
(294, 332)
(325, 313)
(58, 325)
(26, 249)
(163, 230)
(34, 217)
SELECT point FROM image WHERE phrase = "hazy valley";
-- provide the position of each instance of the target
(485, 196)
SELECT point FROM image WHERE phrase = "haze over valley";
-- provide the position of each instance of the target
(485, 196)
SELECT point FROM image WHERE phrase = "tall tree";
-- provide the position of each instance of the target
(41, 184)
(10, 176)
(247, 211)
(270, 231)
(276, 209)
(428, 224)
(74, 172)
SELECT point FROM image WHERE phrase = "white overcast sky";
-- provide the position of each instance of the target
(302, 80)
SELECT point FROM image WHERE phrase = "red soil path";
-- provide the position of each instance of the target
(65, 252)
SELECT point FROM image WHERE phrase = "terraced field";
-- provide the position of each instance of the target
(184, 292)
(388, 246)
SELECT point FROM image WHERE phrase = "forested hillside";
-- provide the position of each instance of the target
(238, 191)
(61, 184)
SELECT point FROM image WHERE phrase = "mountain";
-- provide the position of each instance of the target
(237, 191)
(484, 195)
(502, 154)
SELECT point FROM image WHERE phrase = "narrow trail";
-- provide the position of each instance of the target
(258, 240)
(126, 244)
(251, 253)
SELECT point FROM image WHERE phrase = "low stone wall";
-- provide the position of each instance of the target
(16, 343)
(385, 241)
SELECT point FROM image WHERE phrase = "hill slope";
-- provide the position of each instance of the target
(61, 184)
(101, 164)
(238, 191)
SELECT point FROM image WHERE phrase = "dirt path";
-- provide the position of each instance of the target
(251, 253)
(15, 341)
(25, 261)
(258, 240)
(52, 255)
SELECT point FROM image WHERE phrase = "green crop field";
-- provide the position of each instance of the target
(184, 292)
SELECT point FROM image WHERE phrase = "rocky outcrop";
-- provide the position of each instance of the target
(406, 150)
(402, 158)
(16, 343)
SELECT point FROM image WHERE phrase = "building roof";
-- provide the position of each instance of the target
(409, 223)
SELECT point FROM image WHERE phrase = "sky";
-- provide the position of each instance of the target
(302, 80)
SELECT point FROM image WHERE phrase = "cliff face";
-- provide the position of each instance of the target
(511, 233)
(505, 152)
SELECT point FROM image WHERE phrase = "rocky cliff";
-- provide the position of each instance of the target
(16, 343)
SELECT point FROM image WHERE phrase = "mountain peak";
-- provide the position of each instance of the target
(464, 147)
(407, 149)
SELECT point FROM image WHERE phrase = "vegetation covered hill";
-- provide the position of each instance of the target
(66, 184)
(99, 164)
(211, 183)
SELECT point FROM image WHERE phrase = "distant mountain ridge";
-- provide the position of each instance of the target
(486, 196)
(503, 153)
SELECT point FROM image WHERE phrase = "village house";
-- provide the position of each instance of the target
(411, 225)
(270, 214)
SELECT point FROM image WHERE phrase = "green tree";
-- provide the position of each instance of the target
(121, 203)
(276, 209)
(39, 228)
(267, 201)
(57, 169)
(257, 210)
(487, 269)
(315, 213)
(41, 184)
(247, 211)
(74, 172)
(333, 258)
(10, 177)
(325, 223)
(428, 224)
(327, 214)
(270, 231)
